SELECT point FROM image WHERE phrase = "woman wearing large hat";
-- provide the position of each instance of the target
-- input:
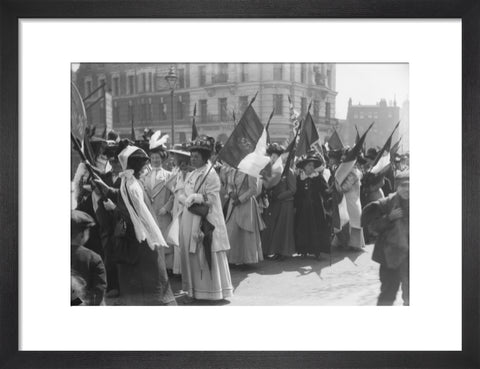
(158, 192)
(203, 235)
(176, 185)
(141, 263)
(312, 226)
(278, 237)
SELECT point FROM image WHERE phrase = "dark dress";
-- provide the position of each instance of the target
(312, 225)
(142, 273)
(278, 237)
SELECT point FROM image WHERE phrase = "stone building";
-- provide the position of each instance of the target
(141, 96)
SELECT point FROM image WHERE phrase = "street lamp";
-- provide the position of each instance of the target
(171, 79)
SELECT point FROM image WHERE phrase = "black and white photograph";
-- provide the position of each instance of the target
(240, 184)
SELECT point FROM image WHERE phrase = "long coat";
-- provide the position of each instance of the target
(278, 236)
(312, 226)
(243, 220)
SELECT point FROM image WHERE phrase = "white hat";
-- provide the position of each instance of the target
(158, 142)
(125, 154)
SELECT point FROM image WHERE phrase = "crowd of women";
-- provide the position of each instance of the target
(153, 214)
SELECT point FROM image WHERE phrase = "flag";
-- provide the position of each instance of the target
(395, 147)
(194, 127)
(334, 142)
(383, 157)
(249, 136)
(348, 163)
(308, 136)
(291, 150)
(357, 137)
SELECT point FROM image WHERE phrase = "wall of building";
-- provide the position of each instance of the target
(141, 94)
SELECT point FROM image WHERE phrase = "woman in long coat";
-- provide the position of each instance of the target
(312, 227)
(278, 237)
(205, 272)
(157, 189)
(142, 272)
(243, 219)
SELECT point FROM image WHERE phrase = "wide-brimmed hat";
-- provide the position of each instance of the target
(310, 157)
(371, 154)
(180, 149)
(202, 143)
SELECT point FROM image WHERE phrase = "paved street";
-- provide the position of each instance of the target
(351, 280)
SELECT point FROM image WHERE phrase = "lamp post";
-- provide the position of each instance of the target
(171, 79)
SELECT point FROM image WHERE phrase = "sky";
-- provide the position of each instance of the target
(368, 83)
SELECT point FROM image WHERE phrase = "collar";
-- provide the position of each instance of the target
(303, 176)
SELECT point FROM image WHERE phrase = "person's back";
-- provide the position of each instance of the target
(84, 262)
(89, 265)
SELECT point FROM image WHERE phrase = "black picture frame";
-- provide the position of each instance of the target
(13, 10)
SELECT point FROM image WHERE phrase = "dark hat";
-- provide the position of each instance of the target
(307, 158)
(202, 143)
(371, 153)
(275, 148)
(361, 159)
(81, 220)
(335, 154)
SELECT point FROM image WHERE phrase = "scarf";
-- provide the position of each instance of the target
(146, 228)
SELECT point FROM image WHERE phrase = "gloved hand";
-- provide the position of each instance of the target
(194, 198)
(109, 205)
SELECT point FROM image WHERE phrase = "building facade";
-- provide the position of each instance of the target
(385, 116)
(141, 96)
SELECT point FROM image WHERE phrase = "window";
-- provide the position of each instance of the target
(144, 82)
(329, 78)
(303, 106)
(243, 103)
(203, 110)
(180, 108)
(390, 114)
(101, 81)
(355, 115)
(243, 73)
(319, 80)
(131, 85)
(278, 72)
(369, 115)
(361, 115)
(181, 78)
(327, 110)
(303, 73)
(202, 75)
(222, 109)
(116, 86)
(88, 87)
(163, 109)
(316, 108)
(116, 113)
(222, 75)
(278, 104)
(375, 115)
(143, 111)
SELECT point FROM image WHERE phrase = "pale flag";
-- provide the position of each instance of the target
(253, 163)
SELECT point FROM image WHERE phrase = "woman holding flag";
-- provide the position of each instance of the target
(243, 219)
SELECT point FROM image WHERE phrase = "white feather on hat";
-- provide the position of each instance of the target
(157, 141)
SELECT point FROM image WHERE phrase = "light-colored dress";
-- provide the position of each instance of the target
(177, 187)
(198, 279)
(243, 220)
(161, 197)
(351, 190)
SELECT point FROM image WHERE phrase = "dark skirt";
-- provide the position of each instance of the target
(145, 281)
(278, 237)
